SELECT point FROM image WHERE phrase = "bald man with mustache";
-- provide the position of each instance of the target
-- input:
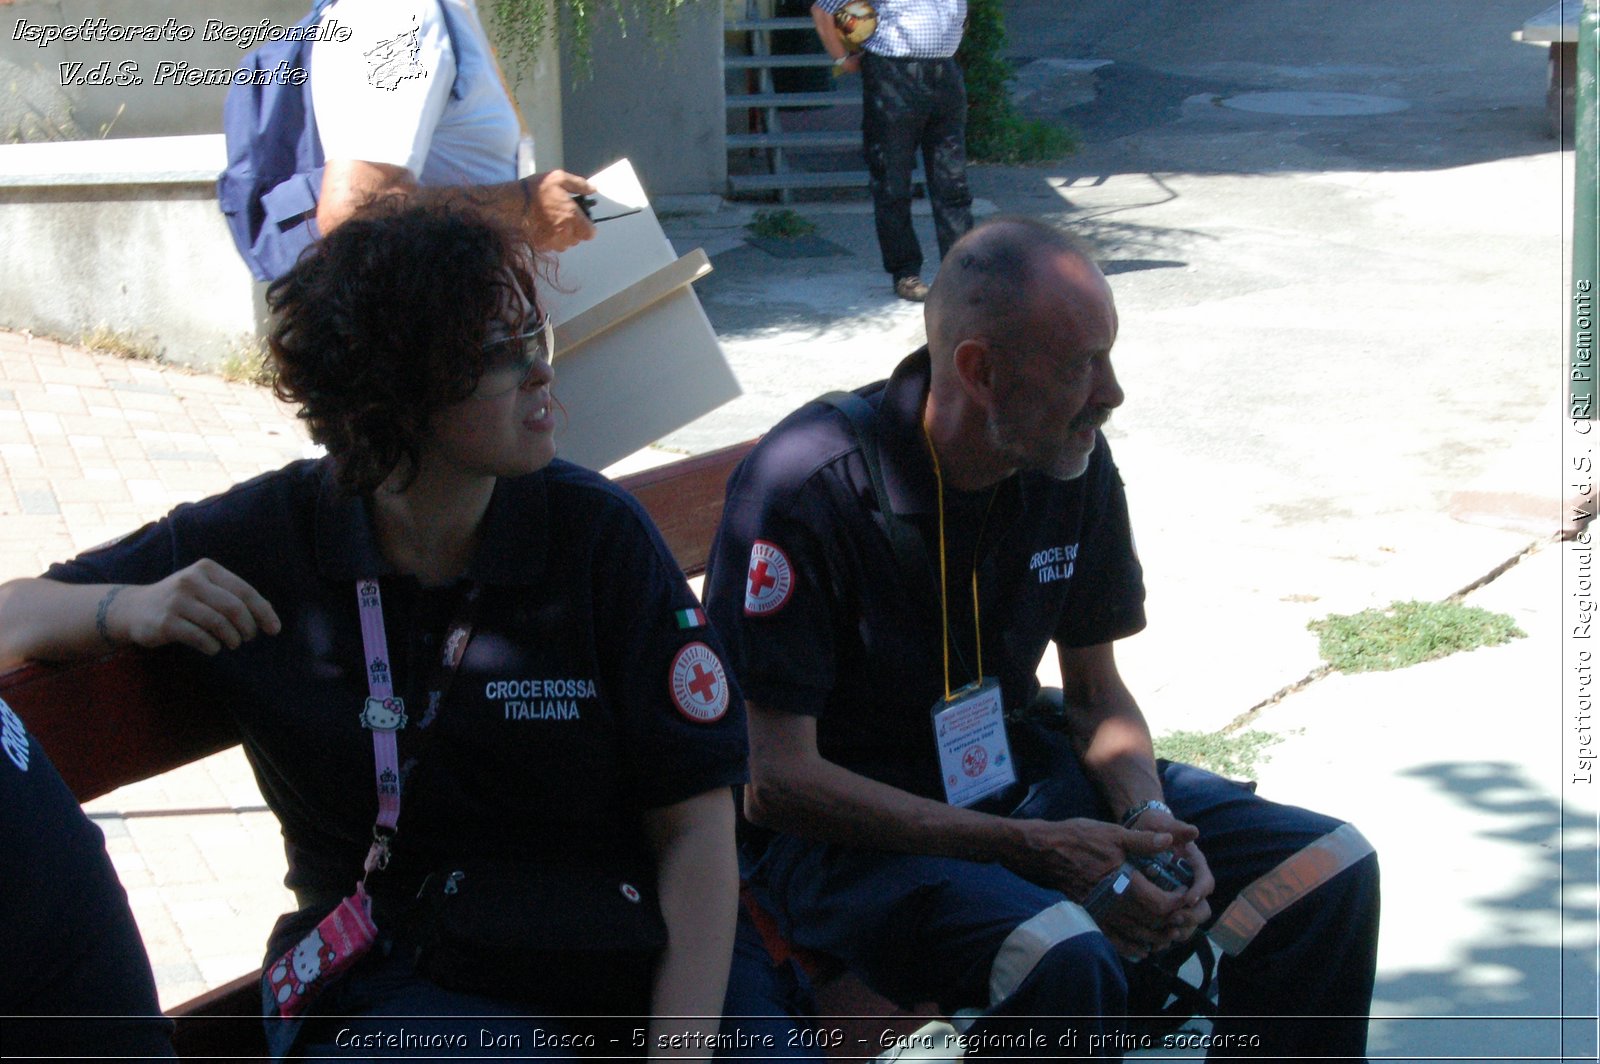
(892, 566)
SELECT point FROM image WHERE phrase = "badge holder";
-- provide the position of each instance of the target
(969, 724)
(969, 727)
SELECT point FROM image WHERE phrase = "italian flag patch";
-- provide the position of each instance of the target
(693, 618)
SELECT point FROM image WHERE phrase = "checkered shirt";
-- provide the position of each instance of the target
(913, 29)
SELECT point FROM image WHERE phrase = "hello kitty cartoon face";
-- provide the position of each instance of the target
(294, 972)
(310, 954)
(384, 714)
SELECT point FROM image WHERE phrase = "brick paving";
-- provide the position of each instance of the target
(92, 446)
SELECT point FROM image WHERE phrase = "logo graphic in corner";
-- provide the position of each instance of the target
(395, 60)
(699, 684)
(768, 581)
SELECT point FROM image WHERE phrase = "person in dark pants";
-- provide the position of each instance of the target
(913, 99)
(891, 567)
(76, 982)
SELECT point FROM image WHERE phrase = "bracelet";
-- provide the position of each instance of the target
(102, 629)
(1142, 808)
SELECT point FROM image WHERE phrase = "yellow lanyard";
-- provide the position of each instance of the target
(944, 598)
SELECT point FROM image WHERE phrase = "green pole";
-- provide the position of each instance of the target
(1583, 363)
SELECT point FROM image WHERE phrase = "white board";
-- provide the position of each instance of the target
(636, 357)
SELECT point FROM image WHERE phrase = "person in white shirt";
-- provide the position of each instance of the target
(412, 97)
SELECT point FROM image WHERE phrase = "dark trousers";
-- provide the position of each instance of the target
(767, 1006)
(911, 105)
(929, 928)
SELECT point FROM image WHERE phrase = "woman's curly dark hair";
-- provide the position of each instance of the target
(383, 325)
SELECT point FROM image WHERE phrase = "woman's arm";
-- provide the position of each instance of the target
(203, 606)
(698, 875)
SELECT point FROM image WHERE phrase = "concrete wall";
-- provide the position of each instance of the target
(123, 237)
(657, 101)
(38, 106)
(123, 234)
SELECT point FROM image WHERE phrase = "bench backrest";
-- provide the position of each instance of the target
(131, 714)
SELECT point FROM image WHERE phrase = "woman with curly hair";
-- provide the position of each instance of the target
(470, 678)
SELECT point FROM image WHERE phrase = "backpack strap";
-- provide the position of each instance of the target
(909, 550)
(450, 36)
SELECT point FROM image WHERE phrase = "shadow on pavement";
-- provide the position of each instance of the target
(1505, 999)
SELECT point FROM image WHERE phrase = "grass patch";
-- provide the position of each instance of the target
(105, 340)
(246, 363)
(1233, 755)
(1407, 633)
(782, 224)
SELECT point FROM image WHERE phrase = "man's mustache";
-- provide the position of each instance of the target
(1090, 418)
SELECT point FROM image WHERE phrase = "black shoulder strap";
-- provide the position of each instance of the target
(909, 550)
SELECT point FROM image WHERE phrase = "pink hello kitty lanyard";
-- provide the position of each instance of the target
(347, 933)
(385, 713)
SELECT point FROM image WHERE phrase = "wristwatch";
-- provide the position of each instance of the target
(1143, 807)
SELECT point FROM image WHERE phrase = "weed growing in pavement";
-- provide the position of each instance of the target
(246, 362)
(782, 224)
(1233, 755)
(107, 341)
(1407, 633)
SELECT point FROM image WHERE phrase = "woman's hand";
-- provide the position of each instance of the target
(203, 606)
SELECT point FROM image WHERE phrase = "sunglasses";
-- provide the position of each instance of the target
(512, 359)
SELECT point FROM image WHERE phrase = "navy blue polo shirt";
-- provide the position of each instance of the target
(589, 691)
(76, 982)
(821, 619)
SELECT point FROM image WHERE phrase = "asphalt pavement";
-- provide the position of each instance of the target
(1336, 238)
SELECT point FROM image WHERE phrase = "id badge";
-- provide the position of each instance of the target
(974, 752)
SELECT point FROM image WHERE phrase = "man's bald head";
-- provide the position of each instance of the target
(1020, 329)
(987, 284)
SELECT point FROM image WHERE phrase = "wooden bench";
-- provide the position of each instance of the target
(130, 715)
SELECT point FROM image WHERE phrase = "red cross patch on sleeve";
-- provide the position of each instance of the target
(768, 581)
(699, 684)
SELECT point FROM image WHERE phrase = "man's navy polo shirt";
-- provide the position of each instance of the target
(586, 695)
(819, 618)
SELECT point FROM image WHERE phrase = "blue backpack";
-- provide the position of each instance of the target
(268, 192)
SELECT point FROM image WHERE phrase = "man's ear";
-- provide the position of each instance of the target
(974, 362)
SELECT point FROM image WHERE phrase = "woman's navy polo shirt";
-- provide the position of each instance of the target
(589, 692)
(821, 619)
